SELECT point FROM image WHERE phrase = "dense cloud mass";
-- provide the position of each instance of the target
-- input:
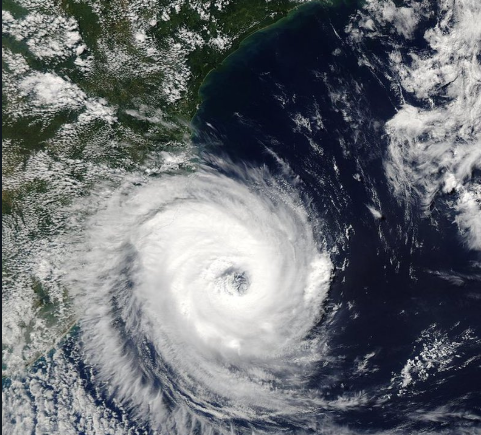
(221, 278)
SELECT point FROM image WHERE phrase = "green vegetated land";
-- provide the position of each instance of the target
(125, 78)
(187, 40)
(111, 27)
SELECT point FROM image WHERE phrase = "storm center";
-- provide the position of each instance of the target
(234, 282)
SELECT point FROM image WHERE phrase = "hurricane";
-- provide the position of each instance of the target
(204, 292)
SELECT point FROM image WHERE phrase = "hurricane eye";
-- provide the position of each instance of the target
(234, 282)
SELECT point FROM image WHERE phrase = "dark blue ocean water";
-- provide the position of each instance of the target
(297, 98)
(392, 303)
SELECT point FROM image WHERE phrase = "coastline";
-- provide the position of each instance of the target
(246, 45)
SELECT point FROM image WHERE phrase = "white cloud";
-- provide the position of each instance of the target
(436, 148)
(49, 92)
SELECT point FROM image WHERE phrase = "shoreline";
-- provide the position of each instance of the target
(249, 39)
(248, 43)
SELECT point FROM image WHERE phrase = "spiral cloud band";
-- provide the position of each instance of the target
(199, 293)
